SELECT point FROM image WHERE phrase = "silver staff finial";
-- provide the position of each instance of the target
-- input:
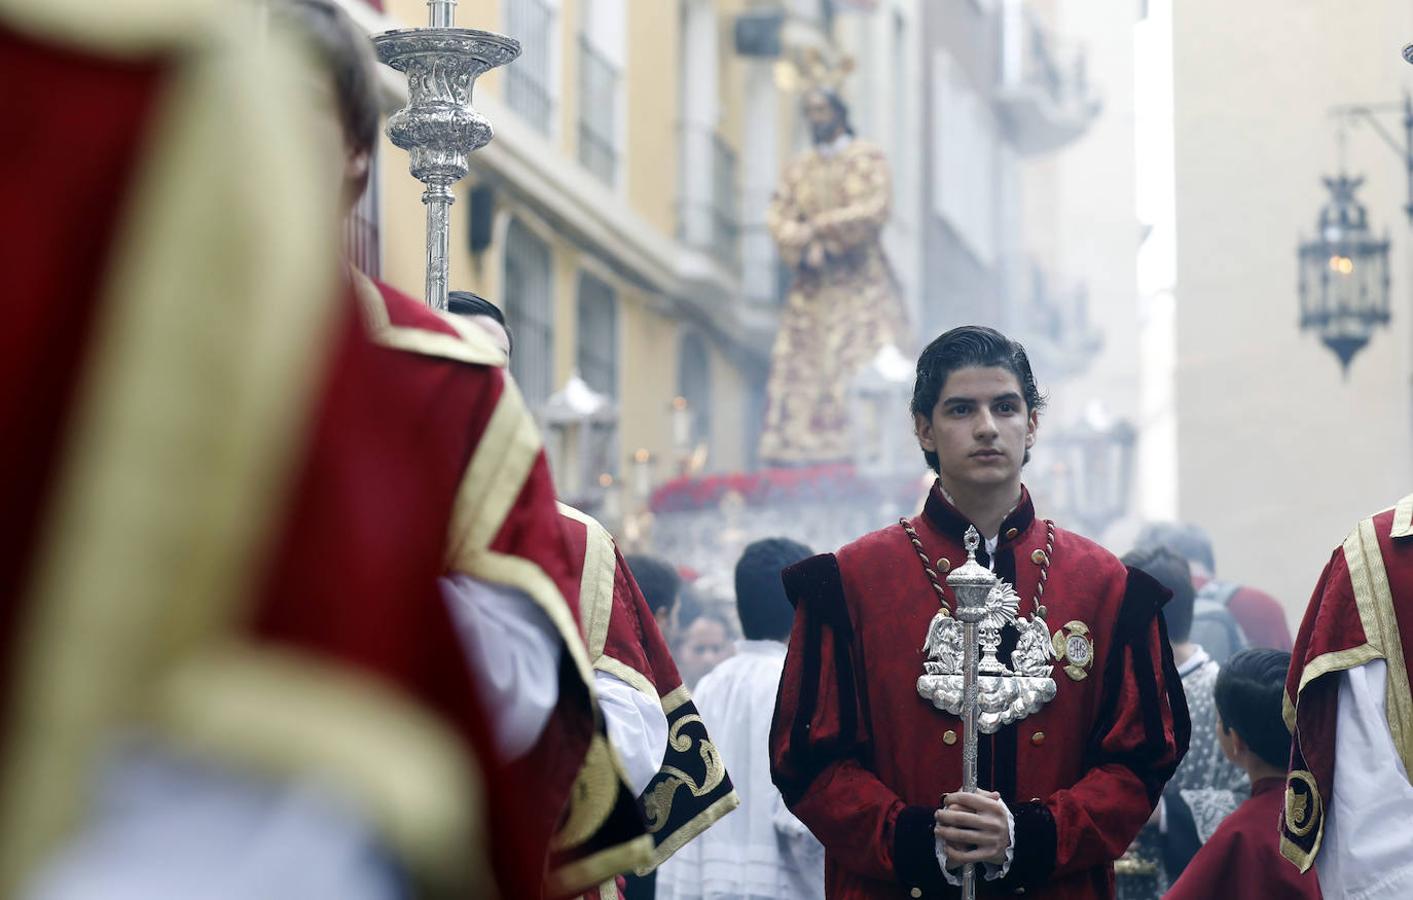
(971, 540)
(438, 128)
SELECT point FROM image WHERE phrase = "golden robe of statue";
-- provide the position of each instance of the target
(827, 217)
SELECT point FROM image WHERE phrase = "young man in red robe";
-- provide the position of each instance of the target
(1348, 793)
(873, 767)
(1242, 857)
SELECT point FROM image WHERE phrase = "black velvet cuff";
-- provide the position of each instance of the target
(1034, 856)
(915, 850)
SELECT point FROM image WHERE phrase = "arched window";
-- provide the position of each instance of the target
(597, 353)
(529, 311)
(694, 383)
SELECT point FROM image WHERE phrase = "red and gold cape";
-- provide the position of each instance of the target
(1360, 611)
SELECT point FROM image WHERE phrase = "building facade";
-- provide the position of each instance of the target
(618, 217)
(1279, 452)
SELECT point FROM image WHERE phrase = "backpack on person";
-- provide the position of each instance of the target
(1213, 625)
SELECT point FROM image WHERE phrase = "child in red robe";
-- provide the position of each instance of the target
(1243, 858)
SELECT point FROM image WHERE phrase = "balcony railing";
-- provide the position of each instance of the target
(598, 112)
(709, 218)
(528, 80)
(1045, 91)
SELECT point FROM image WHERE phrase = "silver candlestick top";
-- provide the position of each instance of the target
(971, 582)
(438, 127)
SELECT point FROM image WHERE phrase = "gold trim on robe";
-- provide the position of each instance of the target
(692, 766)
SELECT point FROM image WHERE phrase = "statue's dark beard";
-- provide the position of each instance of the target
(823, 134)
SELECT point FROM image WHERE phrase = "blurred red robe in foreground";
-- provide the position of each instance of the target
(225, 509)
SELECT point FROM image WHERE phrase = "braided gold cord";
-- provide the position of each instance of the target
(1040, 557)
(926, 566)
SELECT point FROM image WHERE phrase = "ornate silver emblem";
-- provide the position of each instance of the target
(1005, 694)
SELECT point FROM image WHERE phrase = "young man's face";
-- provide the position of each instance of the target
(980, 428)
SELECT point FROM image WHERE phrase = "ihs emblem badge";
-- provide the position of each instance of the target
(1074, 647)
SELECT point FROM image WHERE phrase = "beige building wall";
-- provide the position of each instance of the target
(1279, 454)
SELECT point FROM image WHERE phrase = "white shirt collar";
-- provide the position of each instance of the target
(761, 648)
(1197, 660)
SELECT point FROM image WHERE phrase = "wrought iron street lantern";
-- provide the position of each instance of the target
(1344, 274)
(583, 430)
(878, 399)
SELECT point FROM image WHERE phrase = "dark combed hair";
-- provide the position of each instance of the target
(959, 348)
(465, 303)
(1249, 693)
(761, 605)
(1186, 540)
(658, 581)
(1172, 572)
(347, 53)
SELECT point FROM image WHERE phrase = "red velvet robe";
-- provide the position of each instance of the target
(451, 405)
(863, 760)
(1241, 859)
(692, 789)
(1362, 610)
(295, 564)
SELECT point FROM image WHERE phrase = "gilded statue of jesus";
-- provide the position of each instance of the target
(827, 217)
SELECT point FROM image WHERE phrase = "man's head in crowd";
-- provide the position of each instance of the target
(975, 408)
(346, 53)
(706, 640)
(660, 585)
(1186, 540)
(484, 315)
(1172, 572)
(1249, 692)
(761, 605)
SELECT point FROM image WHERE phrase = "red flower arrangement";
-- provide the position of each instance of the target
(767, 487)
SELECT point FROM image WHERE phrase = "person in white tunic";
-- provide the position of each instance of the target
(761, 850)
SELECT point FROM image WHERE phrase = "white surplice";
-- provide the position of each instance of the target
(1367, 849)
(760, 850)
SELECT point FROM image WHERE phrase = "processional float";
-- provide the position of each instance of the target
(962, 674)
(438, 127)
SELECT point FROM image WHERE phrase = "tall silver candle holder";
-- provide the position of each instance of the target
(438, 127)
